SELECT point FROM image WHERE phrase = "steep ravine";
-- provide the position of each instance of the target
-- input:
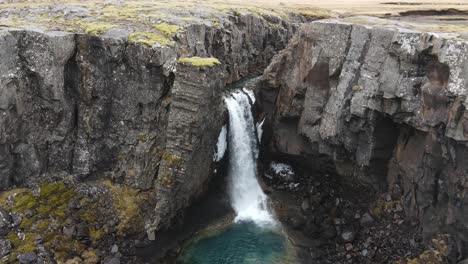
(104, 143)
(126, 130)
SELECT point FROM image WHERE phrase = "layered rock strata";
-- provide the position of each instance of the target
(81, 107)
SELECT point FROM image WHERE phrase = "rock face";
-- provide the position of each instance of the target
(387, 106)
(195, 119)
(80, 107)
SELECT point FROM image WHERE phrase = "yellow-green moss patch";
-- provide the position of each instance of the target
(95, 28)
(200, 62)
(127, 202)
(172, 160)
(49, 209)
(381, 206)
(357, 88)
(166, 179)
(436, 254)
(167, 29)
(149, 38)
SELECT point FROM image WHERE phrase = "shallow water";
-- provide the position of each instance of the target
(240, 243)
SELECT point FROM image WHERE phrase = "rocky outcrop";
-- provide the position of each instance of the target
(195, 119)
(387, 105)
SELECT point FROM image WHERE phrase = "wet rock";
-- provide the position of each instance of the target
(16, 218)
(328, 232)
(5, 221)
(297, 222)
(5, 247)
(113, 260)
(69, 230)
(27, 258)
(305, 206)
(114, 249)
(366, 219)
(348, 235)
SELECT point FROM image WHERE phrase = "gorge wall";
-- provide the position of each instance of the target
(387, 105)
(84, 108)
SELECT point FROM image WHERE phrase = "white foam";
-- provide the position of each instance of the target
(221, 146)
(284, 171)
(247, 198)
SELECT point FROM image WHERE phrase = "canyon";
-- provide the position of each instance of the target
(108, 137)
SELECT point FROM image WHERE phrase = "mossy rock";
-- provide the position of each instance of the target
(167, 29)
(200, 62)
(357, 88)
(436, 254)
(172, 161)
(49, 210)
(128, 203)
(95, 28)
(166, 179)
(149, 38)
(381, 206)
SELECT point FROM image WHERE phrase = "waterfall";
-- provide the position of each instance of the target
(247, 197)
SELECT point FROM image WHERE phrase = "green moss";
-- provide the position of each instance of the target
(172, 160)
(149, 38)
(28, 244)
(51, 203)
(381, 206)
(166, 179)
(95, 28)
(142, 137)
(436, 254)
(88, 216)
(167, 29)
(24, 202)
(200, 62)
(5, 194)
(357, 88)
(14, 239)
(64, 247)
(42, 225)
(27, 222)
(95, 234)
(127, 203)
(54, 199)
(119, 12)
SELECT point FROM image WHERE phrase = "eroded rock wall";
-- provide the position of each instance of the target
(387, 105)
(78, 107)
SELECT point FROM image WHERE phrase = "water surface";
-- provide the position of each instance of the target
(240, 243)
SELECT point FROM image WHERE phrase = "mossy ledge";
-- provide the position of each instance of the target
(200, 62)
(149, 39)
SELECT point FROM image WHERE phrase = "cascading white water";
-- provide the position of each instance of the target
(247, 197)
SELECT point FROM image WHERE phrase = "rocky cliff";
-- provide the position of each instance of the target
(387, 105)
(103, 106)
